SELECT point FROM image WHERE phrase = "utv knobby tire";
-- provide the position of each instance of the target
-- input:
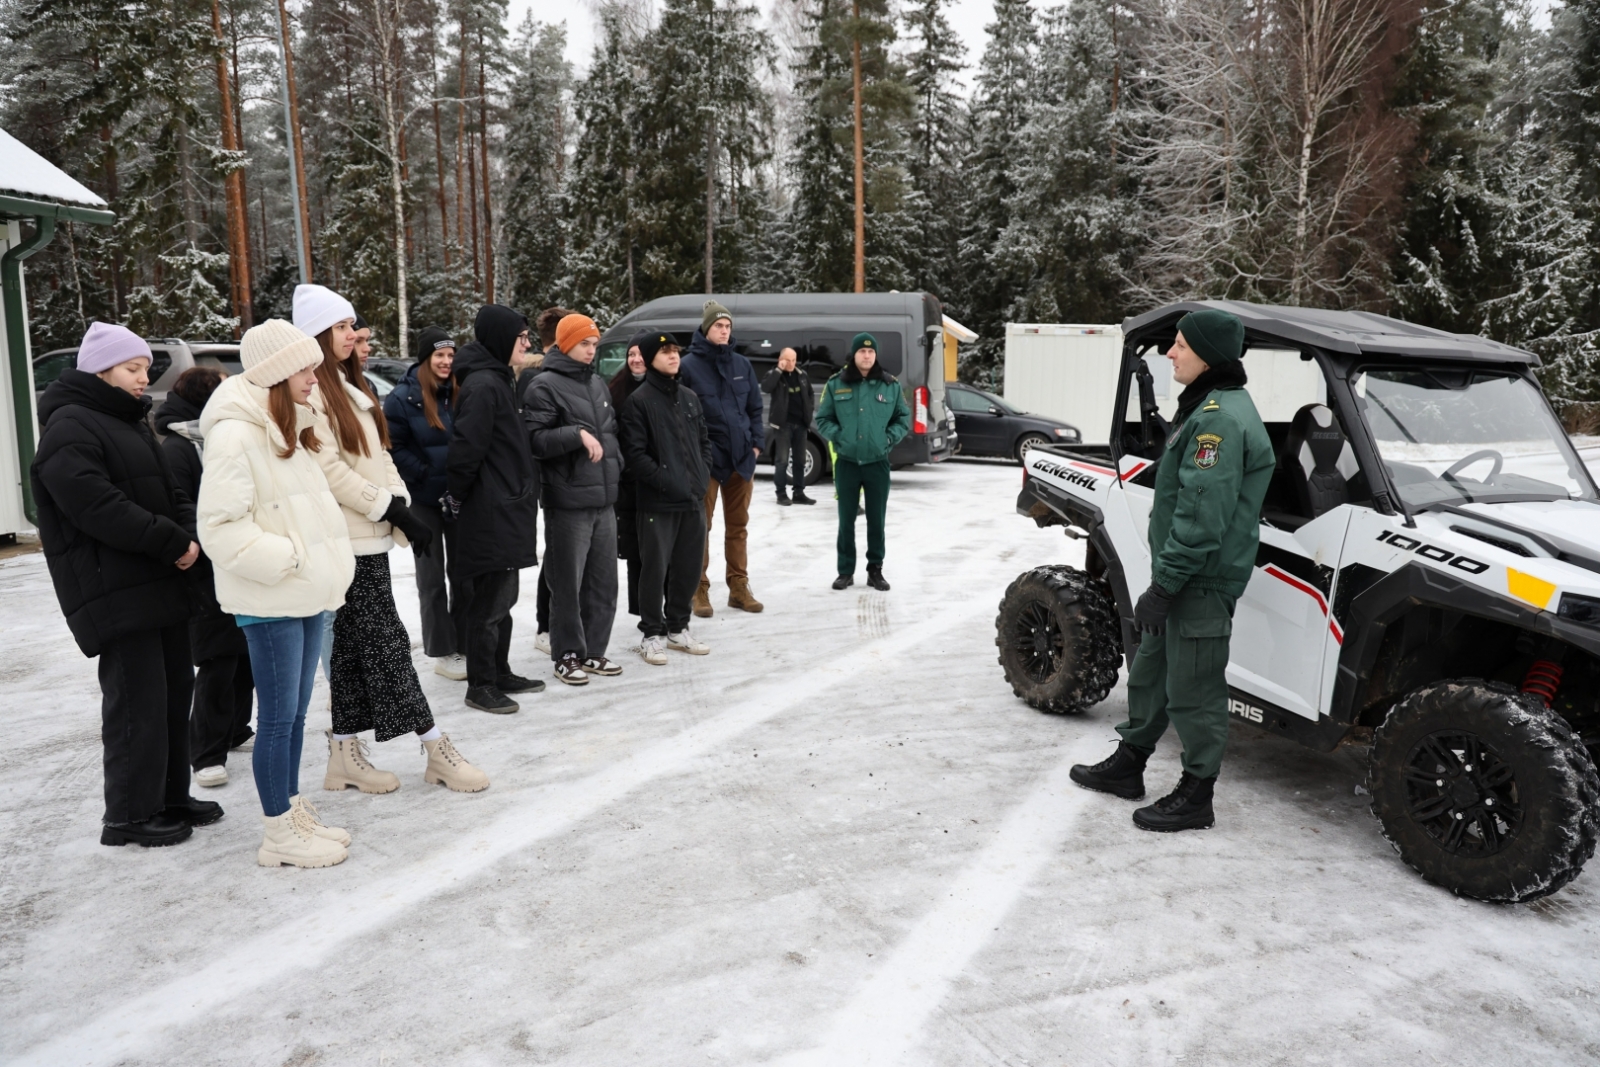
(1057, 632)
(1518, 810)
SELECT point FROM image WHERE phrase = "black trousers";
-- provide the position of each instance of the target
(488, 626)
(789, 450)
(443, 611)
(541, 602)
(224, 691)
(371, 679)
(581, 561)
(670, 544)
(628, 551)
(146, 683)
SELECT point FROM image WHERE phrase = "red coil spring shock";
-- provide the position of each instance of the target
(1543, 680)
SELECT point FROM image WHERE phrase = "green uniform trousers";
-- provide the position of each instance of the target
(849, 479)
(1181, 676)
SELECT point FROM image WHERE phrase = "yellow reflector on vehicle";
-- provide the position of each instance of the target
(1535, 591)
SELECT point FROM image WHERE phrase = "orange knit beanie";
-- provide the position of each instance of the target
(572, 329)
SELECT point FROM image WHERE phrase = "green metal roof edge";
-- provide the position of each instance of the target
(23, 207)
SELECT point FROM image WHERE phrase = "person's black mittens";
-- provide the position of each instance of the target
(1150, 613)
(400, 517)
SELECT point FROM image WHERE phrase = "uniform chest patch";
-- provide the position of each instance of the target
(1205, 452)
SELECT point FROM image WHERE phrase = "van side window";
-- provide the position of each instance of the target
(825, 353)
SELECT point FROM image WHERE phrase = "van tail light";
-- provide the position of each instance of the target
(919, 409)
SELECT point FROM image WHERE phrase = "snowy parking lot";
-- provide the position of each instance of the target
(836, 840)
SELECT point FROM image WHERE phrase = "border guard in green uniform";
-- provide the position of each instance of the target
(1210, 482)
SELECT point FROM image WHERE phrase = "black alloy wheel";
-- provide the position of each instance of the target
(1462, 794)
(1036, 635)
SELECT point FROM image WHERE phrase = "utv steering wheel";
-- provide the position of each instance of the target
(1466, 461)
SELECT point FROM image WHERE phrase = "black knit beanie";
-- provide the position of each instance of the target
(431, 339)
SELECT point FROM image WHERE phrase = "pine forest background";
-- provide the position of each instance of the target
(1438, 160)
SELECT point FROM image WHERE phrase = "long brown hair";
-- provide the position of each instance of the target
(342, 413)
(430, 391)
(280, 407)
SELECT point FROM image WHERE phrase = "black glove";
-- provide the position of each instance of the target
(450, 508)
(1150, 613)
(400, 517)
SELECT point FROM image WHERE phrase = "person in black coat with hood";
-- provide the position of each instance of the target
(118, 537)
(224, 688)
(420, 415)
(493, 498)
(629, 376)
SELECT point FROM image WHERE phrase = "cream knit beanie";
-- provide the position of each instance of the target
(274, 350)
(316, 307)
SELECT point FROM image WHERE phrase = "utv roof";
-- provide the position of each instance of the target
(689, 306)
(1349, 332)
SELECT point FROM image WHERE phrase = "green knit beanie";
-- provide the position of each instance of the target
(863, 340)
(713, 312)
(1216, 336)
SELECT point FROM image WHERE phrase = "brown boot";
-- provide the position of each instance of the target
(702, 600)
(740, 596)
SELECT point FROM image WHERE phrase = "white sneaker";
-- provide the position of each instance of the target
(654, 650)
(453, 667)
(542, 642)
(214, 776)
(685, 641)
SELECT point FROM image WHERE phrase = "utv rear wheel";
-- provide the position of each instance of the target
(1485, 791)
(1057, 635)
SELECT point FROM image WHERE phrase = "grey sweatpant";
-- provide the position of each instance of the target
(580, 565)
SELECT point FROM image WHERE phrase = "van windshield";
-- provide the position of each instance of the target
(1452, 435)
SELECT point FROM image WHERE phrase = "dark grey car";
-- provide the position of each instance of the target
(988, 426)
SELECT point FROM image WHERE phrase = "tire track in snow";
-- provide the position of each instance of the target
(314, 937)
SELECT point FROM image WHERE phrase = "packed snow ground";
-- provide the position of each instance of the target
(836, 840)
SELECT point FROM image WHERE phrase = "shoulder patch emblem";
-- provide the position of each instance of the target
(1205, 453)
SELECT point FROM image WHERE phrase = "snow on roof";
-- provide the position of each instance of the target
(25, 173)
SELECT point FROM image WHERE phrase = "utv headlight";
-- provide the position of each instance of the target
(1068, 432)
(1578, 608)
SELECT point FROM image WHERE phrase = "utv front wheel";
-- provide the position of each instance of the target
(1484, 791)
(1057, 635)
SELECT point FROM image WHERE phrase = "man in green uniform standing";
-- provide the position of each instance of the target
(1210, 483)
(863, 414)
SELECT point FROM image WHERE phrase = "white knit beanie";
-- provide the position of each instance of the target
(275, 350)
(316, 307)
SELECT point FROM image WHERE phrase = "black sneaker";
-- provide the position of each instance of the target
(1121, 774)
(844, 581)
(875, 579)
(601, 665)
(516, 683)
(783, 501)
(194, 812)
(153, 832)
(1188, 807)
(801, 498)
(569, 668)
(490, 699)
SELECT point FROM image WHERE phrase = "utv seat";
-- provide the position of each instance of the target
(1317, 461)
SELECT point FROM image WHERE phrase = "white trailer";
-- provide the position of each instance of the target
(1070, 372)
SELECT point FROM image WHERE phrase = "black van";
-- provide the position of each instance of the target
(909, 328)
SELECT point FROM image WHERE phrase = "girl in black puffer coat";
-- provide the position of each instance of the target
(224, 688)
(420, 420)
(118, 536)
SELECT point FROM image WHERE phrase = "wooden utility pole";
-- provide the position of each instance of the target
(861, 185)
(483, 147)
(711, 156)
(297, 164)
(233, 184)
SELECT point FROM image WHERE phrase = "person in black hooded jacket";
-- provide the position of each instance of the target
(493, 496)
(224, 688)
(118, 537)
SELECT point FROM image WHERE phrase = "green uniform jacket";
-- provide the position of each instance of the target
(1213, 475)
(863, 419)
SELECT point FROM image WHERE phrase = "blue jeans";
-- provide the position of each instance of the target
(326, 655)
(283, 659)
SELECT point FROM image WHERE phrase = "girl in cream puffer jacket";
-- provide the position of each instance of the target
(372, 681)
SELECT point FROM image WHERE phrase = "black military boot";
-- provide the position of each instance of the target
(1120, 774)
(1187, 807)
(876, 580)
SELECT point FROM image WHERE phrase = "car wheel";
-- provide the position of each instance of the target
(815, 465)
(1059, 641)
(1484, 791)
(1029, 440)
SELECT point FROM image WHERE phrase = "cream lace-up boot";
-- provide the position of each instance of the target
(448, 767)
(332, 833)
(348, 765)
(292, 838)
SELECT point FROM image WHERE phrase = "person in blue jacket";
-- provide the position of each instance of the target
(419, 417)
(730, 398)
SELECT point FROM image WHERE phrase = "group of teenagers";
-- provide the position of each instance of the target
(245, 539)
